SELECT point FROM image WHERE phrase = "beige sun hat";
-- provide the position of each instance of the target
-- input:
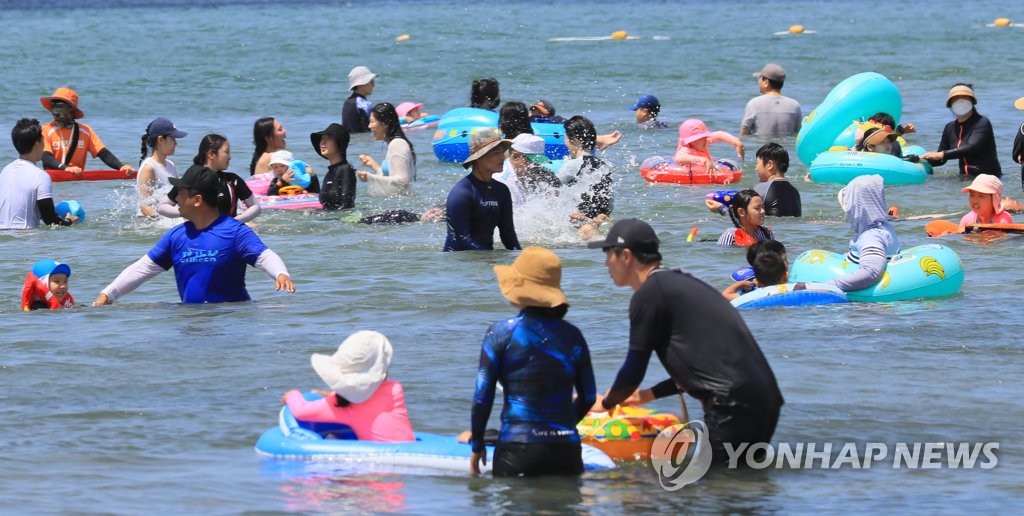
(481, 142)
(358, 367)
(533, 279)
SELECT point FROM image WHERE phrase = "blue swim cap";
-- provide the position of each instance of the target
(47, 267)
(64, 208)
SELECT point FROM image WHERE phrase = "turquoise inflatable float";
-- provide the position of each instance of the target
(929, 270)
(856, 98)
(292, 439)
(451, 139)
(842, 166)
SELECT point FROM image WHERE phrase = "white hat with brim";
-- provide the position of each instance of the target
(359, 366)
(988, 184)
(281, 157)
(481, 142)
(359, 76)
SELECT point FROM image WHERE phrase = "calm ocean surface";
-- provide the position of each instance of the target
(150, 405)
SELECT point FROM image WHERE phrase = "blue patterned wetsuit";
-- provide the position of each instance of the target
(539, 361)
(474, 209)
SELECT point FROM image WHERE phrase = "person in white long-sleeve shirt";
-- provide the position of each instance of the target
(209, 252)
(863, 200)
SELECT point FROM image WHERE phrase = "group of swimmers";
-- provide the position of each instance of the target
(543, 361)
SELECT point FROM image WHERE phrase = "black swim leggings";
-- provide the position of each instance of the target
(536, 459)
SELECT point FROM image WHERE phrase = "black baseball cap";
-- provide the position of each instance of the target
(198, 179)
(633, 234)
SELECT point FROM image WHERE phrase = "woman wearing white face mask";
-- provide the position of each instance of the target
(969, 138)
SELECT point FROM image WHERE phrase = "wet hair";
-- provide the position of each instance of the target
(769, 268)
(485, 94)
(740, 200)
(762, 246)
(210, 143)
(774, 152)
(25, 134)
(884, 119)
(261, 130)
(385, 114)
(776, 85)
(514, 119)
(581, 130)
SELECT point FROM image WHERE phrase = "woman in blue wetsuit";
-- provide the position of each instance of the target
(540, 359)
(477, 203)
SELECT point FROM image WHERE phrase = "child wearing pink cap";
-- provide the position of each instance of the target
(695, 141)
(409, 112)
(986, 192)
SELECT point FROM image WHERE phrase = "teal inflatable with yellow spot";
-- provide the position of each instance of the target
(923, 271)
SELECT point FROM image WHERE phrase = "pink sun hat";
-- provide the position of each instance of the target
(988, 184)
(405, 107)
(692, 130)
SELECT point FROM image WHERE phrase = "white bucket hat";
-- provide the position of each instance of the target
(359, 76)
(358, 367)
(281, 157)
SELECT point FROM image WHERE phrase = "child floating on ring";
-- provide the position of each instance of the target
(985, 199)
(769, 265)
(46, 286)
(695, 141)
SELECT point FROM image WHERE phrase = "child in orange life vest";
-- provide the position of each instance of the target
(747, 214)
(986, 202)
(695, 141)
(46, 286)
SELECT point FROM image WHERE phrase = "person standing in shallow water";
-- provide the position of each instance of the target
(968, 138)
(540, 360)
(477, 203)
(700, 339)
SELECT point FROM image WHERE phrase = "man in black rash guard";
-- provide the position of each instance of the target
(700, 339)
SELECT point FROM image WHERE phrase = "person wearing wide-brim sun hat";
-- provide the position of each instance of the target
(968, 138)
(65, 133)
(477, 203)
(355, 113)
(541, 360)
(361, 395)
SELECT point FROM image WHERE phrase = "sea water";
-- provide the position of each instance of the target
(153, 405)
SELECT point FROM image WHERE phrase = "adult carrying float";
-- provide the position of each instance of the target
(625, 433)
(659, 169)
(90, 175)
(929, 270)
(451, 139)
(855, 98)
(297, 440)
(843, 166)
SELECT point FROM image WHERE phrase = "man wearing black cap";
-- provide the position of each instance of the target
(700, 339)
(209, 251)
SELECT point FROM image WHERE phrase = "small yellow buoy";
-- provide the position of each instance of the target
(796, 29)
(403, 37)
(620, 34)
(1001, 22)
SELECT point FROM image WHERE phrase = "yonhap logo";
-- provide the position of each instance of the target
(670, 458)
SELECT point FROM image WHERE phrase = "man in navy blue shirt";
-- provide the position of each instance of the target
(209, 252)
(477, 204)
